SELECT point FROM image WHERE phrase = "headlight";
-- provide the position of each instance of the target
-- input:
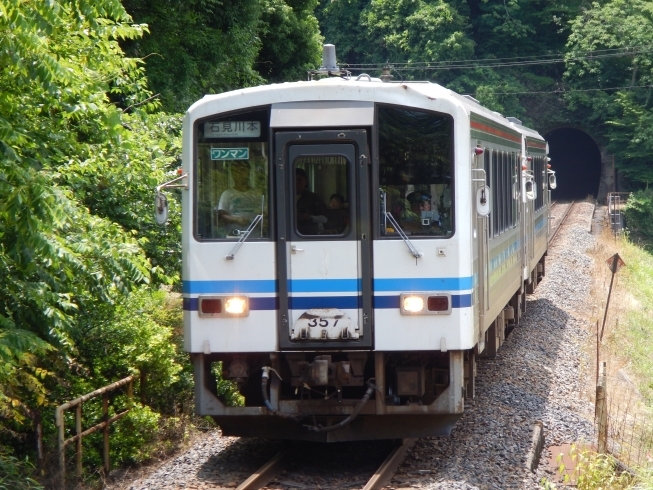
(425, 303)
(223, 306)
(413, 304)
(235, 306)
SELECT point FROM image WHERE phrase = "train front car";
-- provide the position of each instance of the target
(328, 259)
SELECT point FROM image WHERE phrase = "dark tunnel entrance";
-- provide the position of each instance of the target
(576, 160)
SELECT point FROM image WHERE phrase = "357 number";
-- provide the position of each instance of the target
(322, 322)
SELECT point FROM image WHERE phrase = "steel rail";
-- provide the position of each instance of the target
(561, 222)
(382, 476)
(266, 473)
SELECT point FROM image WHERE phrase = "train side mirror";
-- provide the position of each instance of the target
(161, 208)
(552, 180)
(531, 192)
(483, 204)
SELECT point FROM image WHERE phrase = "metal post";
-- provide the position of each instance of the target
(105, 432)
(613, 268)
(598, 351)
(59, 420)
(38, 427)
(602, 411)
(78, 443)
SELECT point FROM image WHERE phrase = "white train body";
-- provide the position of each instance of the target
(405, 283)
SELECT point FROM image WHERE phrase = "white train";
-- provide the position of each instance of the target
(349, 247)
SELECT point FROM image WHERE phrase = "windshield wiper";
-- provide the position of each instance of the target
(243, 236)
(416, 253)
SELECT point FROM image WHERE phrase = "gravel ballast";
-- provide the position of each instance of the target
(536, 376)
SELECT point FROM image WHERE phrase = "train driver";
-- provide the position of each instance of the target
(240, 204)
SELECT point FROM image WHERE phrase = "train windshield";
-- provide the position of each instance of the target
(415, 172)
(232, 184)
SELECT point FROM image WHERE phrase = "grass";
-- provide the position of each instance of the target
(638, 323)
(627, 341)
(627, 347)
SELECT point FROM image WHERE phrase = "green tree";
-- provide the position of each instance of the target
(415, 31)
(340, 23)
(196, 47)
(610, 65)
(59, 61)
(290, 37)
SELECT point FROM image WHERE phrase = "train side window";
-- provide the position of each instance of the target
(487, 155)
(502, 189)
(505, 171)
(231, 176)
(495, 193)
(415, 172)
(516, 189)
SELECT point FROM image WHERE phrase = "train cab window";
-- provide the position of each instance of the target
(322, 195)
(231, 176)
(415, 172)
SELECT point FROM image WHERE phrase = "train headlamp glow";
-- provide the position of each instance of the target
(223, 306)
(413, 304)
(425, 303)
(235, 306)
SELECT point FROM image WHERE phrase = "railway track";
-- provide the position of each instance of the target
(281, 462)
(560, 221)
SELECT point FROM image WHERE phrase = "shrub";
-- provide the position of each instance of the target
(14, 473)
(638, 213)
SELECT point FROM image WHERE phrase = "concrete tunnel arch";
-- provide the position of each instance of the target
(579, 164)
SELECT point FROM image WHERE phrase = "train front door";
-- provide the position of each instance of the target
(323, 233)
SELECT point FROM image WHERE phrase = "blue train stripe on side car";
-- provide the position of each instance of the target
(344, 302)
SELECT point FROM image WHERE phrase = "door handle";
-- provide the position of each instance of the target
(294, 249)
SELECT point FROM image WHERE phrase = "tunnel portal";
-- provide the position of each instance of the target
(576, 160)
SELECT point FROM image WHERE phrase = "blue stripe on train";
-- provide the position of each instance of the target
(389, 302)
(327, 285)
(192, 304)
(343, 302)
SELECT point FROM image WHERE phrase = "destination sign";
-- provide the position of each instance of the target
(232, 129)
(229, 153)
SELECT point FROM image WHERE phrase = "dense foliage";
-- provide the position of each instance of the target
(199, 47)
(76, 234)
(91, 93)
(614, 92)
(638, 214)
(410, 34)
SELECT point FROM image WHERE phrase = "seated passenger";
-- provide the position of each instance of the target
(337, 215)
(310, 207)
